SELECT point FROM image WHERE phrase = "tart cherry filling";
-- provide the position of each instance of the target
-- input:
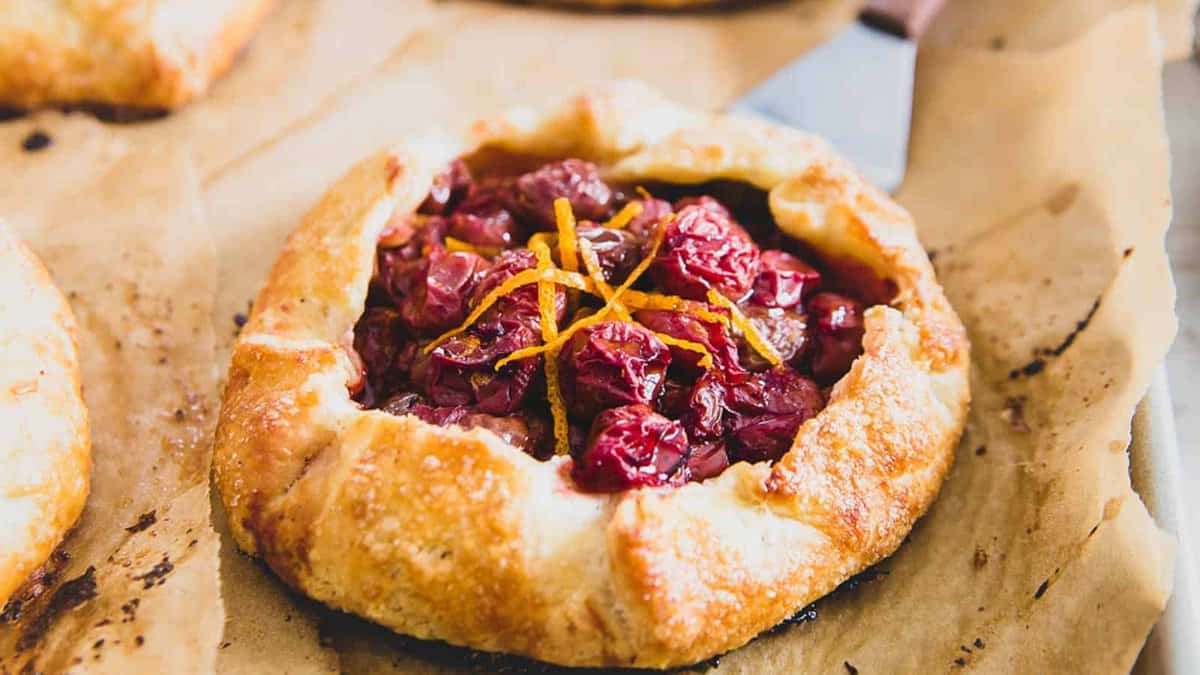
(655, 339)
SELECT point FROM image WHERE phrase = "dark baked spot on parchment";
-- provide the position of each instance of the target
(68, 596)
(1014, 413)
(41, 580)
(144, 521)
(36, 140)
(157, 575)
(1038, 363)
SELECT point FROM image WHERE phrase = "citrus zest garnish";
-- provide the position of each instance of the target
(557, 343)
(673, 303)
(543, 237)
(643, 192)
(453, 244)
(458, 245)
(564, 219)
(546, 291)
(592, 263)
(624, 216)
(523, 278)
(572, 280)
(743, 324)
(706, 359)
(601, 313)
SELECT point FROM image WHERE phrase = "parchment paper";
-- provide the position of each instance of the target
(1030, 25)
(1036, 163)
(134, 587)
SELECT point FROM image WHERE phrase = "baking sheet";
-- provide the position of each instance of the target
(1019, 158)
(1157, 476)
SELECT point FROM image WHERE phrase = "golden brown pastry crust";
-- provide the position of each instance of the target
(141, 53)
(455, 535)
(45, 447)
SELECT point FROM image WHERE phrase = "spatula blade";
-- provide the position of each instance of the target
(854, 90)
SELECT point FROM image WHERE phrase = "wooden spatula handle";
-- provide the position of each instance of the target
(908, 18)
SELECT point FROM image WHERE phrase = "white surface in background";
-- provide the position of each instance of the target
(1182, 106)
(1182, 102)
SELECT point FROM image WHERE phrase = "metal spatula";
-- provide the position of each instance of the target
(856, 89)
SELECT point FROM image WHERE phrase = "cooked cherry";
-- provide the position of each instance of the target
(460, 371)
(618, 251)
(766, 410)
(377, 338)
(401, 404)
(707, 203)
(439, 415)
(786, 331)
(783, 280)
(516, 430)
(707, 460)
(520, 306)
(612, 363)
(449, 185)
(672, 402)
(643, 224)
(577, 180)
(837, 329)
(483, 219)
(704, 249)
(422, 234)
(631, 446)
(704, 411)
(500, 393)
(711, 335)
(440, 288)
(850, 275)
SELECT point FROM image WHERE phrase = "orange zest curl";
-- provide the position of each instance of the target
(706, 359)
(458, 245)
(546, 292)
(592, 263)
(564, 219)
(743, 324)
(511, 284)
(673, 303)
(601, 313)
(624, 216)
(544, 237)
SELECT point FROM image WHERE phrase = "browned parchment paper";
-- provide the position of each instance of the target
(1038, 160)
(134, 588)
(1028, 183)
(1037, 24)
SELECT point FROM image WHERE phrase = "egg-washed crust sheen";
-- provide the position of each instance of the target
(455, 535)
(45, 445)
(155, 54)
